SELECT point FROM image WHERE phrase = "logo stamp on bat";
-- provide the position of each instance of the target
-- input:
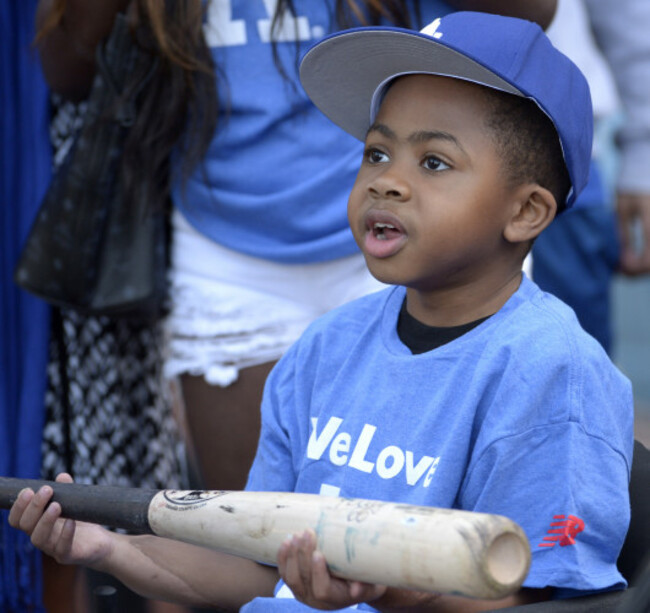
(191, 498)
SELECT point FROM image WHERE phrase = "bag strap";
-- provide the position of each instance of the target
(58, 332)
(123, 45)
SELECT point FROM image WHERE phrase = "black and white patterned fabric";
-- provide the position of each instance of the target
(109, 416)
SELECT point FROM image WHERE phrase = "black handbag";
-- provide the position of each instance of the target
(90, 248)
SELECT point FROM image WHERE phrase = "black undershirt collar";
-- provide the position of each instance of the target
(420, 338)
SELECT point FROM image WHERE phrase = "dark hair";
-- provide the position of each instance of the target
(528, 143)
(349, 13)
(178, 107)
(365, 12)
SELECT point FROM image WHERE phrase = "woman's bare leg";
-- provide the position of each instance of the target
(224, 425)
(63, 588)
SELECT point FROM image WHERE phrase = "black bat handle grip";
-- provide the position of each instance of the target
(118, 507)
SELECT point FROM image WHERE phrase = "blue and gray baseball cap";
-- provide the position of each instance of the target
(347, 73)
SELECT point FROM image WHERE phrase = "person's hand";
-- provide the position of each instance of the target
(634, 210)
(67, 541)
(305, 571)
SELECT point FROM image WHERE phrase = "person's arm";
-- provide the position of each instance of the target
(620, 28)
(185, 574)
(540, 11)
(151, 566)
(305, 571)
(67, 50)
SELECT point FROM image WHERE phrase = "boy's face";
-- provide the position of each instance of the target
(428, 207)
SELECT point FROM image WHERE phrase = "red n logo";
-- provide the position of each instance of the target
(563, 531)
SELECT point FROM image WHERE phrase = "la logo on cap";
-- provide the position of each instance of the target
(432, 29)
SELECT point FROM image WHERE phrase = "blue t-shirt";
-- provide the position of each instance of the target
(524, 416)
(278, 173)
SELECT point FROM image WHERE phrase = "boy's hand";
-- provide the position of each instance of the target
(67, 541)
(305, 571)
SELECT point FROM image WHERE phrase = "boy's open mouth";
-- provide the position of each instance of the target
(384, 234)
(385, 231)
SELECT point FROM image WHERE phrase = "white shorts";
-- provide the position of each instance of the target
(231, 311)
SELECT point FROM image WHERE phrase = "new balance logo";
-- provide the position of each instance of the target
(563, 531)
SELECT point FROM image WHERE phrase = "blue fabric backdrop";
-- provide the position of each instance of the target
(24, 174)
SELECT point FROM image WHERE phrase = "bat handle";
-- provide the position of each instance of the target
(119, 507)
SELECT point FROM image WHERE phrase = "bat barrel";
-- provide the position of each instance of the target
(415, 547)
(119, 507)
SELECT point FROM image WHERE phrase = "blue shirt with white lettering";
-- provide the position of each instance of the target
(278, 173)
(523, 416)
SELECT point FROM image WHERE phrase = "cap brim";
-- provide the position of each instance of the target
(342, 72)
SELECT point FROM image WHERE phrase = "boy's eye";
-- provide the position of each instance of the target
(431, 162)
(375, 156)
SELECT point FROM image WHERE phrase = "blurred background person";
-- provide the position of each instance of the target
(577, 258)
(596, 257)
(109, 415)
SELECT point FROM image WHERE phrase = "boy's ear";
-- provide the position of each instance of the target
(534, 208)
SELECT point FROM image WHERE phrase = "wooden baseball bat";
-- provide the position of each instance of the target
(400, 545)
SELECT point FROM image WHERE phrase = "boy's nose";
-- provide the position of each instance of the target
(389, 185)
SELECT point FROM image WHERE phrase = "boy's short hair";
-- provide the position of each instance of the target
(346, 76)
(527, 143)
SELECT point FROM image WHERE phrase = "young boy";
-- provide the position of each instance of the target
(463, 386)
